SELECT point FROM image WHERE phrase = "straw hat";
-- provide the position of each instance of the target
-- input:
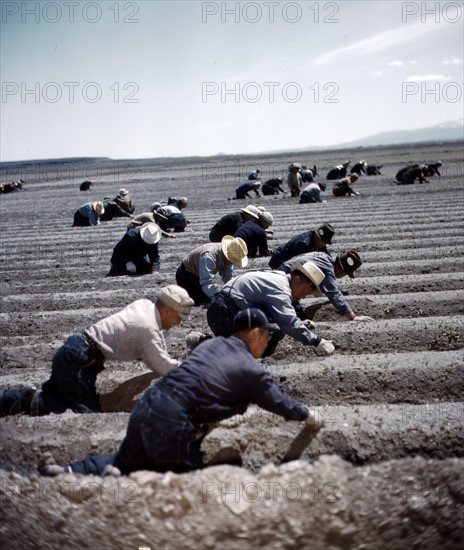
(98, 207)
(311, 272)
(235, 250)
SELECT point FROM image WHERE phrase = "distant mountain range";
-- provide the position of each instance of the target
(447, 131)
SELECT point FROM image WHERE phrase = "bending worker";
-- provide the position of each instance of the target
(273, 292)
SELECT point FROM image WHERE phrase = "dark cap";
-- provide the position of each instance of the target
(251, 318)
(349, 261)
(326, 232)
(322, 186)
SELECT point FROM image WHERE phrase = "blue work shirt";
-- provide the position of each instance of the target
(329, 285)
(255, 237)
(270, 292)
(220, 378)
(300, 244)
(88, 212)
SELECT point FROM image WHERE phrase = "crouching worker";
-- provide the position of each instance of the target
(218, 380)
(137, 252)
(134, 333)
(273, 292)
(197, 271)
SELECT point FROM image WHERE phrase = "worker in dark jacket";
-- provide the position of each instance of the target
(310, 241)
(408, 175)
(254, 235)
(137, 252)
(255, 175)
(113, 210)
(374, 169)
(273, 186)
(218, 380)
(338, 171)
(432, 169)
(242, 191)
(359, 168)
(229, 223)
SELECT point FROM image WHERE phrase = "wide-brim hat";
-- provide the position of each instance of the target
(123, 192)
(99, 207)
(325, 232)
(150, 233)
(176, 298)
(251, 210)
(349, 262)
(235, 250)
(295, 165)
(311, 272)
(159, 215)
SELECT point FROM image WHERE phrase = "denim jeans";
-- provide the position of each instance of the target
(161, 435)
(75, 367)
(220, 315)
(191, 283)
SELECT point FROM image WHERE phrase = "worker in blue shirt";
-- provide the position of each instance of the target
(273, 292)
(218, 380)
(88, 214)
(342, 265)
(243, 190)
(310, 241)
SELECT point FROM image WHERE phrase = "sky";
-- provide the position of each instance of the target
(184, 78)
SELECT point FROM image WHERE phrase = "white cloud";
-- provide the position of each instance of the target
(378, 73)
(424, 77)
(453, 61)
(382, 41)
(398, 63)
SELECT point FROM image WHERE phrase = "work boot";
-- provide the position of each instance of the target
(111, 470)
(48, 467)
(22, 405)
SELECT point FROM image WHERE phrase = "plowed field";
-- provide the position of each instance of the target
(387, 471)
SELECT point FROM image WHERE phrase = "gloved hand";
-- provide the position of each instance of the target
(131, 267)
(325, 347)
(314, 419)
(363, 318)
(309, 324)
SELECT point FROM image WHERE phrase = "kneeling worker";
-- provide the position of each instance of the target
(218, 380)
(197, 271)
(131, 334)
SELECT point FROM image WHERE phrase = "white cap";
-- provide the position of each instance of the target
(177, 298)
